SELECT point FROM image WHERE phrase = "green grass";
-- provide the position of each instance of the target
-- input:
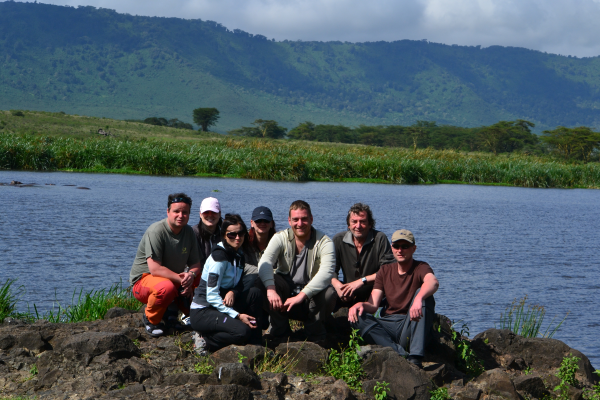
(86, 306)
(92, 305)
(58, 142)
(527, 322)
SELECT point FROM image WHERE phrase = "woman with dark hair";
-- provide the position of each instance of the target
(261, 231)
(222, 311)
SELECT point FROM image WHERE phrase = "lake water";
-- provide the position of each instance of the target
(487, 245)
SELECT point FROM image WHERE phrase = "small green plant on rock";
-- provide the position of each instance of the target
(593, 394)
(205, 366)
(528, 370)
(33, 370)
(241, 357)
(347, 364)
(381, 390)
(566, 374)
(440, 393)
(467, 360)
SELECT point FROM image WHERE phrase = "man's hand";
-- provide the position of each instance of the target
(274, 299)
(247, 319)
(355, 311)
(349, 288)
(229, 299)
(416, 310)
(187, 279)
(294, 301)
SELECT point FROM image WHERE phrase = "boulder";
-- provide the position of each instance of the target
(495, 382)
(308, 357)
(501, 348)
(465, 393)
(33, 342)
(117, 312)
(231, 354)
(406, 381)
(234, 374)
(531, 384)
(96, 343)
(7, 341)
(224, 392)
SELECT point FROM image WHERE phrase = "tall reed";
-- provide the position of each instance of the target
(8, 300)
(527, 322)
(289, 161)
(92, 305)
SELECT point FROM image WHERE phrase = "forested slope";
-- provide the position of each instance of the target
(98, 62)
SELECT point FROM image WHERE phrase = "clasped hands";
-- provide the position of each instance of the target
(346, 291)
(276, 303)
(187, 283)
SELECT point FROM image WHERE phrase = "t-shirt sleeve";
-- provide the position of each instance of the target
(153, 246)
(379, 279)
(194, 257)
(422, 270)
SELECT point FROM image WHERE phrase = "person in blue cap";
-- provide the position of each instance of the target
(262, 229)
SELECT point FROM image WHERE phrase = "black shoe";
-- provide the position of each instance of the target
(415, 360)
(151, 329)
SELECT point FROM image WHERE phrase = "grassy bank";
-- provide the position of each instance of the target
(42, 147)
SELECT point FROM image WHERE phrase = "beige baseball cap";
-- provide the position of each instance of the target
(403, 234)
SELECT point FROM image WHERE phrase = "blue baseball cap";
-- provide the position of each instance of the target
(262, 213)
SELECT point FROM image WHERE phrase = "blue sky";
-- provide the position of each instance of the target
(555, 26)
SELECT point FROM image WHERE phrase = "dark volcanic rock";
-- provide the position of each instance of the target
(230, 354)
(406, 381)
(503, 348)
(116, 312)
(96, 343)
(224, 392)
(309, 357)
(496, 382)
(234, 374)
(532, 384)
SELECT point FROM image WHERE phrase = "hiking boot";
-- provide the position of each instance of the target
(151, 329)
(415, 360)
(200, 346)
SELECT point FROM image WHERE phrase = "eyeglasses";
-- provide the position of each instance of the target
(261, 221)
(399, 246)
(180, 200)
(233, 235)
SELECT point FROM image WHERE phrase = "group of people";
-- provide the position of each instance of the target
(231, 282)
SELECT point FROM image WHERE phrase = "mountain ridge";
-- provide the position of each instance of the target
(99, 62)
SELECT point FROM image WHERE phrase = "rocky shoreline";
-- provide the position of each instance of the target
(113, 358)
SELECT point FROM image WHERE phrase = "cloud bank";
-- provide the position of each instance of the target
(555, 26)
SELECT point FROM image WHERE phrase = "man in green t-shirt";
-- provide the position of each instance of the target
(158, 272)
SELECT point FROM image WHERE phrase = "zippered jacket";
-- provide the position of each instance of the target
(222, 272)
(282, 249)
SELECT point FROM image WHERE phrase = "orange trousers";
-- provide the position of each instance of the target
(158, 294)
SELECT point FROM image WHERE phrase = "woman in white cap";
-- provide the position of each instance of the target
(208, 230)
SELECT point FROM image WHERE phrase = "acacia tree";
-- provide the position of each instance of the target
(507, 136)
(262, 128)
(580, 142)
(206, 117)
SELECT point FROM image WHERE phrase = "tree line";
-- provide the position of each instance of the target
(580, 143)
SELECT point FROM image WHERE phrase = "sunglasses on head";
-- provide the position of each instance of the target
(399, 246)
(233, 235)
(180, 200)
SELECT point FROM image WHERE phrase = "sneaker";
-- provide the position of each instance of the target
(415, 360)
(151, 329)
(200, 346)
(186, 321)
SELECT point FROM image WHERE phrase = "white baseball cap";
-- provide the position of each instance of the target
(210, 204)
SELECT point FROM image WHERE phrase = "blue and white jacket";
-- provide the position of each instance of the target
(222, 273)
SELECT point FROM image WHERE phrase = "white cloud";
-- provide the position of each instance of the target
(556, 26)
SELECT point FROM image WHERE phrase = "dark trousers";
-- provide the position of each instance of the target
(312, 311)
(397, 331)
(220, 330)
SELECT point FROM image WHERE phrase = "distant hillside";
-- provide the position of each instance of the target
(98, 62)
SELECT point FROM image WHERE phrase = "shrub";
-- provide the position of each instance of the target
(347, 364)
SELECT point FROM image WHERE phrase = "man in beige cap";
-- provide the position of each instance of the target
(408, 286)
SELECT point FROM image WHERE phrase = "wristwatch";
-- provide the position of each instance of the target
(364, 280)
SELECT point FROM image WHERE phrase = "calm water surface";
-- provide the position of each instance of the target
(487, 245)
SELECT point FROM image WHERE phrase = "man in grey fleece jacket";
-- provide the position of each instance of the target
(300, 288)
